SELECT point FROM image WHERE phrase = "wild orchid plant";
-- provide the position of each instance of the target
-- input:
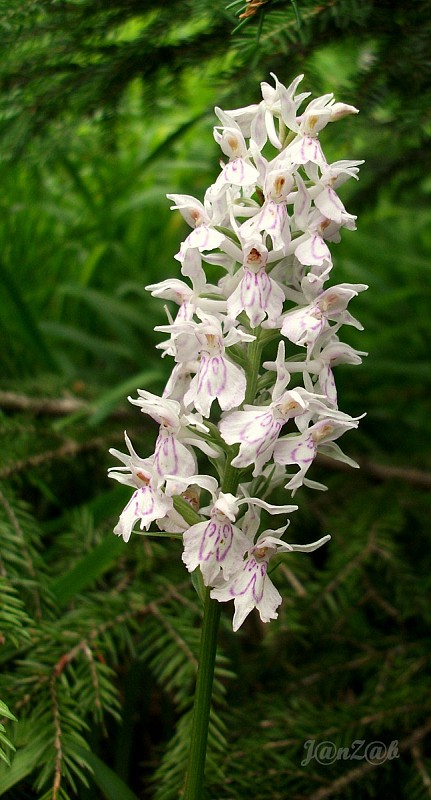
(264, 225)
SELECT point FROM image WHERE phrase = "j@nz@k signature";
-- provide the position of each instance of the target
(327, 752)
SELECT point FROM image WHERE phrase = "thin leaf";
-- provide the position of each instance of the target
(87, 570)
(110, 399)
(29, 327)
(25, 761)
(111, 786)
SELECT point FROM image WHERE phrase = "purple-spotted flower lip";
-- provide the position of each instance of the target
(250, 587)
(259, 296)
(146, 505)
(256, 428)
(214, 545)
(305, 324)
(272, 221)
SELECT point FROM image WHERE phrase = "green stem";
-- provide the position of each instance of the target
(230, 479)
(193, 787)
(204, 680)
(202, 702)
(254, 356)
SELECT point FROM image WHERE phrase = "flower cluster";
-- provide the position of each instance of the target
(263, 228)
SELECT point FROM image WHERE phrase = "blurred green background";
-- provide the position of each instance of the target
(104, 109)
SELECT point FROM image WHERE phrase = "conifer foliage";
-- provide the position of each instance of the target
(101, 113)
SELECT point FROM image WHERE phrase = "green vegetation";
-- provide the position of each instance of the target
(104, 109)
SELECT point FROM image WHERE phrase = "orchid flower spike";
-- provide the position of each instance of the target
(253, 278)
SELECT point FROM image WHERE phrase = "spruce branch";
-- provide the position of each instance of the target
(179, 640)
(20, 537)
(57, 738)
(416, 751)
(69, 449)
(383, 472)
(5, 743)
(52, 406)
